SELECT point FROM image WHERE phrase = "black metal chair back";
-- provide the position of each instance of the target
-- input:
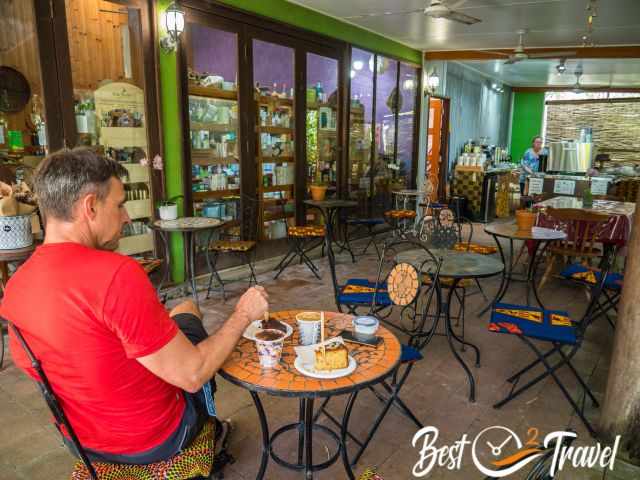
(416, 313)
(61, 421)
(445, 229)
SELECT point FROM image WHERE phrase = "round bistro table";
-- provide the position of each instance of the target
(329, 210)
(456, 266)
(539, 236)
(187, 226)
(243, 369)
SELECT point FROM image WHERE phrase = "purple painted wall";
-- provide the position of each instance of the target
(324, 70)
(273, 63)
(214, 51)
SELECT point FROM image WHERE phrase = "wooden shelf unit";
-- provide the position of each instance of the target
(215, 193)
(208, 157)
(212, 92)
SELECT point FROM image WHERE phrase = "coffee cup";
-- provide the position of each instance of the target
(366, 325)
(269, 346)
(309, 327)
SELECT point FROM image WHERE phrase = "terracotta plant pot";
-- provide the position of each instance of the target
(525, 220)
(318, 192)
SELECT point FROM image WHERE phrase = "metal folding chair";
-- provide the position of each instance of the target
(193, 459)
(552, 327)
(417, 312)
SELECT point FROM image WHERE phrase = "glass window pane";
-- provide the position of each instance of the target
(360, 124)
(213, 120)
(273, 74)
(105, 46)
(322, 109)
(406, 118)
(22, 118)
(386, 169)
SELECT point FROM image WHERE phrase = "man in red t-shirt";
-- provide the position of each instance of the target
(128, 373)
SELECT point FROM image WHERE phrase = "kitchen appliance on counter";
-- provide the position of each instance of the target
(570, 157)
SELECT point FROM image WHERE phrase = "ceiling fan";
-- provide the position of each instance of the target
(519, 53)
(435, 9)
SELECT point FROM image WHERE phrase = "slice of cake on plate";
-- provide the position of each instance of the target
(336, 356)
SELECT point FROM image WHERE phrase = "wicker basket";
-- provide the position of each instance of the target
(15, 232)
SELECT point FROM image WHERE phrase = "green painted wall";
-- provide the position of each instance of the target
(278, 10)
(528, 109)
(316, 22)
(172, 141)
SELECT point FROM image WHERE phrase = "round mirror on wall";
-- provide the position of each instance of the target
(14, 90)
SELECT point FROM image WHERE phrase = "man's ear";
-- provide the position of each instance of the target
(87, 206)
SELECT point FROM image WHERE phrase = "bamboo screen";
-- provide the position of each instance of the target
(615, 124)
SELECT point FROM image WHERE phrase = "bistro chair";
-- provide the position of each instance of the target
(232, 243)
(446, 230)
(302, 239)
(535, 327)
(582, 229)
(587, 276)
(357, 293)
(417, 306)
(400, 221)
(195, 462)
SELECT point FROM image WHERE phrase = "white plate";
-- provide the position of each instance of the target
(309, 371)
(253, 327)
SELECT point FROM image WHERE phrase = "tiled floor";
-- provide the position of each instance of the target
(437, 391)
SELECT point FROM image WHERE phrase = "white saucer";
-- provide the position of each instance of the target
(253, 327)
(309, 371)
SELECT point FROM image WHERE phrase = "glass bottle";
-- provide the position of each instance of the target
(4, 127)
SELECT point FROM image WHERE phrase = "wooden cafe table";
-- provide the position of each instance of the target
(243, 369)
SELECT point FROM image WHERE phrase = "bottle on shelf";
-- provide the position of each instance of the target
(4, 127)
(284, 91)
(274, 90)
(319, 92)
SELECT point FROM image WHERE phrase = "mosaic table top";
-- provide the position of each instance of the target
(510, 230)
(331, 203)
(456, 264)
(374, 363)
(187, 224)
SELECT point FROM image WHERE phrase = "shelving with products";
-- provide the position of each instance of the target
(113, 118)
(273, 66)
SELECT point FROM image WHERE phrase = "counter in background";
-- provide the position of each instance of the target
(487, 192)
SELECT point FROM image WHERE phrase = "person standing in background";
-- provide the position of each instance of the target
(530, 162)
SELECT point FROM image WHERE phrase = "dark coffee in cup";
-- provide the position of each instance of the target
(269, 335)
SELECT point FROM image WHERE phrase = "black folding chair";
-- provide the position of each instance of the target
(416, 316)
(71, 440)
(552, 327)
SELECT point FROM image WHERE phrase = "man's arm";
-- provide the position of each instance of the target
(189, 366)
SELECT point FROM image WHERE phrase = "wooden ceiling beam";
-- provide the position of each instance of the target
(495, 54)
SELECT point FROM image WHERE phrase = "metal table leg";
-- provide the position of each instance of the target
(167, 261)
(191, 242)
(264, 426)
(450, 336)
(308, 438)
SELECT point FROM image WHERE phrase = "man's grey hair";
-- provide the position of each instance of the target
(66, 175)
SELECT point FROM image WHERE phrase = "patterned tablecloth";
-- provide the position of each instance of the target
(618, 228)
(243, 367)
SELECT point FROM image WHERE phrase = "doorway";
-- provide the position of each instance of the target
(438, 147)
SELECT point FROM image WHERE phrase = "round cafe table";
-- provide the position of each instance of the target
(455, 267)
(188, 227)
(243, 369)
(540, 236)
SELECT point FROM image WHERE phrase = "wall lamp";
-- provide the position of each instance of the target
(174, 25)
(433, 81)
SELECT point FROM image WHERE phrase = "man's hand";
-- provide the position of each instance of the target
(253, 304)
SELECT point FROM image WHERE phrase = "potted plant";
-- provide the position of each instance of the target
(168, 209)
(526, 218)
(318, 188)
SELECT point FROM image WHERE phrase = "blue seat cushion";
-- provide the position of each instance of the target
(360, 291)
(549, 325)
(409, 354)
(365, 221)
(582, 273)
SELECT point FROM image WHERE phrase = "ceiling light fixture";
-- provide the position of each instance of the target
(353, 73)
(358, 65)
